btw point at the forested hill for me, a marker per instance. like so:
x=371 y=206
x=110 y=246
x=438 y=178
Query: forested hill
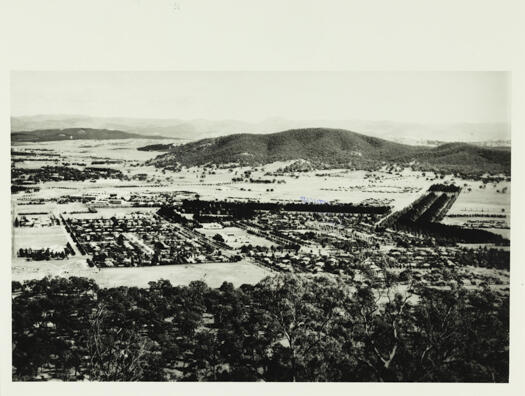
x=463 y=156
x=157 y=147
x=333 y=147
x=49 y=135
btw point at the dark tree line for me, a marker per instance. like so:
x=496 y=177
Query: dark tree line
x=247 y=209
x=483 y=257
x=452 y=188
x=46 y=254
x=450 y=234
x=285 y=328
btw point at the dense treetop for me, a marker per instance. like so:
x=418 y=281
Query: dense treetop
x=286 y=328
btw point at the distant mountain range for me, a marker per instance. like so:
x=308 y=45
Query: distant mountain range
x=401 y=132
x=50 y=135
x=331 y=148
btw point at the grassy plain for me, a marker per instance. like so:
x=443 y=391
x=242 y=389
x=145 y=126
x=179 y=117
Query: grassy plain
x=236 y=237
x=214 y=274
x=39 y=237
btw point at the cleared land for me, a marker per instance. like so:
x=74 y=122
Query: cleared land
x=213 y=274
x=236 y=237
x=39 y=237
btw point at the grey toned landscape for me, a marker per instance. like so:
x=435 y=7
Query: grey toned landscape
x=351 y=227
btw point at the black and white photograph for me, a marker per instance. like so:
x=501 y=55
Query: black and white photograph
x=279 y=228
x=240 y=197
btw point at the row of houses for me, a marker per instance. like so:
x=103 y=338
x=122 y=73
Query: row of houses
x=138 y=240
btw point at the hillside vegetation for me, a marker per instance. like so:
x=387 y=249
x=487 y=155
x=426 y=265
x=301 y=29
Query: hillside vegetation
x=334 y=148
x=465 y=157
x=331 y=146
x=157 y=147
x=287 y=328
x=49 y=135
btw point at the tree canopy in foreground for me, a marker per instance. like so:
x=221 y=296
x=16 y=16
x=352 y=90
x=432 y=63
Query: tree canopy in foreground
x=285 y=328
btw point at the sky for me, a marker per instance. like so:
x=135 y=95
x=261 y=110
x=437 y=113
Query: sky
x=421 y=97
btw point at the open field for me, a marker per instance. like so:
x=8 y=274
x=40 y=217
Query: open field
x=484 y=200
x=39 y=238
x=489 y=200
x=213 y=274
x=112 y=212
x=49 y=207
x=125 y=149
x=22 y=270
x=236 y=237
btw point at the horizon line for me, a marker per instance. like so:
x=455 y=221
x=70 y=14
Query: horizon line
x=173 y=118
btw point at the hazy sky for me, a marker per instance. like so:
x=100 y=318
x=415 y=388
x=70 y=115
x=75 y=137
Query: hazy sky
x=425 y=97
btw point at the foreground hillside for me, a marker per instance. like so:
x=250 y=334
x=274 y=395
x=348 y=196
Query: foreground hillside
x=286 y=328
x=325 y=147
x=49 y=135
